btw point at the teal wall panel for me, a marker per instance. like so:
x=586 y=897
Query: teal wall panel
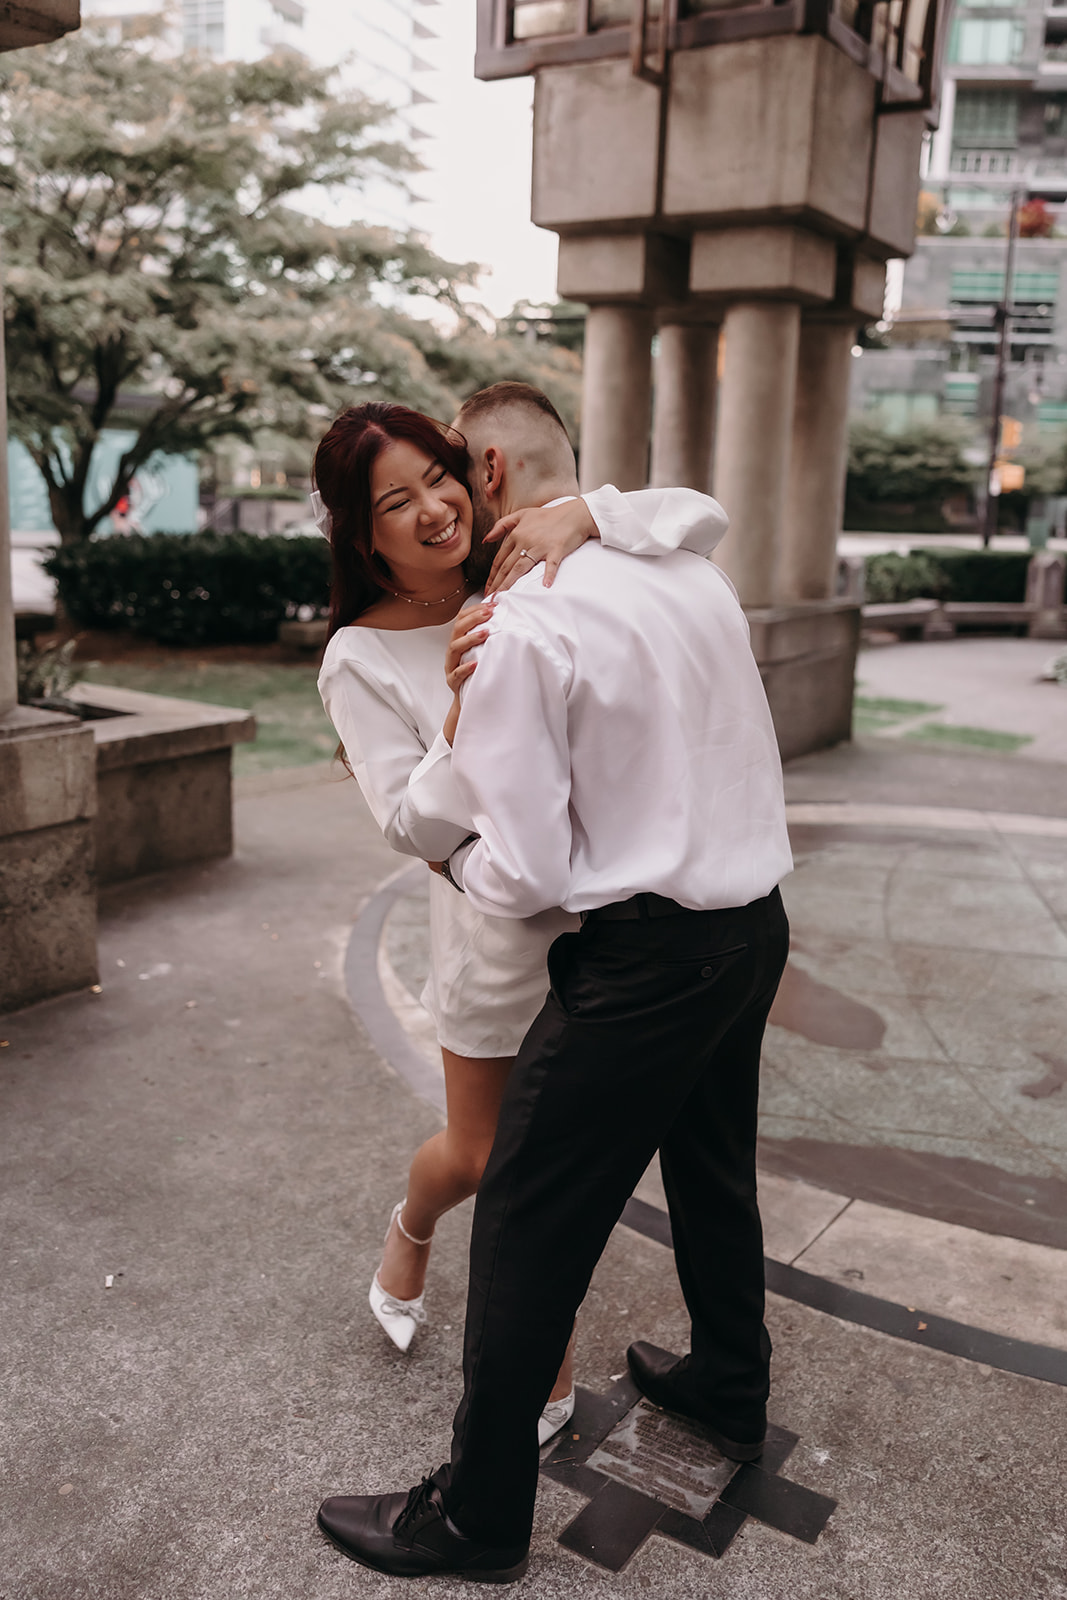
x=165 y=491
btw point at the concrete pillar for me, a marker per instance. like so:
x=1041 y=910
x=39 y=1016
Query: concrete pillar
x=940 y=164
x=616 y=397
x=684 y=427
x=752 y=450
x=8 y=682
x=816 y=497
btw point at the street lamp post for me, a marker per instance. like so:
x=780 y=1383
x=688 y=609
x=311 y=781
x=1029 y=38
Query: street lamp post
x=1002 y=324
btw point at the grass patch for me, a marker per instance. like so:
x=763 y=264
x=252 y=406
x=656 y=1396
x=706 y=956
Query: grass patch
x=896 y=708
x=871 y=721
x=292 y=727
x=875 y=713
x=975 y=738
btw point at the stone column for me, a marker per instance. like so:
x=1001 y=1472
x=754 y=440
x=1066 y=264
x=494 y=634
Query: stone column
x=752 y=449
x=684 y=427
x=8 y=683
x=940 y=164
x=616 y=397
x=816 y=496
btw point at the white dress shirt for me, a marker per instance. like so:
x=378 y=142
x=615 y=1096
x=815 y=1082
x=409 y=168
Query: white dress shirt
x=384 y=690
x=615 y=738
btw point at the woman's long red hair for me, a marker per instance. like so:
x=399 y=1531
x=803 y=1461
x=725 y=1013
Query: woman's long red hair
x=342 y=473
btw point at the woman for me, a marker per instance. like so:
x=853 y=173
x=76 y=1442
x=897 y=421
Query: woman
x=393 y=487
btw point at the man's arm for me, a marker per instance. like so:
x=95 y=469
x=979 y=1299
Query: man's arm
x=511 y=764
x=643 y=522
x=655 y=522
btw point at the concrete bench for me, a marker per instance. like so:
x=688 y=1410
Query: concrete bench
x=911 y=619
x=1042 y=614
x=1019 y=614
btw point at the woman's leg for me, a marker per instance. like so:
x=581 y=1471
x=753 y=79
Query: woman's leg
x=447 y=1168
x=565 y=1381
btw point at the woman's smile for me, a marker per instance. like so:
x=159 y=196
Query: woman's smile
x=445 y=536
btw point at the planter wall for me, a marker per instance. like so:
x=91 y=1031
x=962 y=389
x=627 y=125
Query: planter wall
x=164 y=786
x=47 y=890
x=806 y=654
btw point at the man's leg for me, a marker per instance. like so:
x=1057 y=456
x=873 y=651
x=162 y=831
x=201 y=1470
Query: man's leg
x=708 y=1160
x=632 y=1024
x=709 y=1176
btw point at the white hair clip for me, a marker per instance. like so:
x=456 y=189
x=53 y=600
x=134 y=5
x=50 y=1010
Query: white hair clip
x=319 y=514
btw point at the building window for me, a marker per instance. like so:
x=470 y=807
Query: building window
x=986 y=118
x=899 y=409
x=538 y=19
x=1056 y=116
x=203 y=26
x=986 y=288
x=981 y=42
x=1036 y=288
x=961 y=394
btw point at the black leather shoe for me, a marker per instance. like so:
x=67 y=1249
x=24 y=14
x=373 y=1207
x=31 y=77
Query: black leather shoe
x=410 y=1536
x=661 y=1378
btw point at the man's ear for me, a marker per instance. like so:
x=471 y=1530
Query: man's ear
x=494 y=468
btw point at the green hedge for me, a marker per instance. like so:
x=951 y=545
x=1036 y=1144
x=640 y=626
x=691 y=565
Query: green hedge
x=192 y=588
x=982 y=575
x=890 y=579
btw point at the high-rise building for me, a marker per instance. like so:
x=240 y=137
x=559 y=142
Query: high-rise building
x=382 y=48
x=1002 y=134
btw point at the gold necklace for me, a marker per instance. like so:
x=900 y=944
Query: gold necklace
x=428 y=603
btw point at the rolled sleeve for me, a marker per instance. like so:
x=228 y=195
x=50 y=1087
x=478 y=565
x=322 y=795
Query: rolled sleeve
x=656 y=522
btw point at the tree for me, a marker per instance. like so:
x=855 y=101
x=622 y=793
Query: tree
x=155 y=246
x=926 y=462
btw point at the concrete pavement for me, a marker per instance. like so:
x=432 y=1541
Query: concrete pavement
x=973 y=682
x=216 y=1136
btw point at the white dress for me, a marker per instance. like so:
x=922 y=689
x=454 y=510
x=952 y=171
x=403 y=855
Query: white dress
x=386 y=695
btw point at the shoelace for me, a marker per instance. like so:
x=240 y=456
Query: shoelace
x=416 y=1505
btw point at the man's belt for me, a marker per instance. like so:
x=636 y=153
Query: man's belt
x=637 y=909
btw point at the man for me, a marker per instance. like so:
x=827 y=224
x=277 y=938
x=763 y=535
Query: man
x=616 y=755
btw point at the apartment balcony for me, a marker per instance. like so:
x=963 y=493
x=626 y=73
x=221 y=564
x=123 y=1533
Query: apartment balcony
x=999 y=172
x=989 y=163
x=1052 y=66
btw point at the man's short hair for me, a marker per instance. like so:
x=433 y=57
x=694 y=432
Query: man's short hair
x=508 y=395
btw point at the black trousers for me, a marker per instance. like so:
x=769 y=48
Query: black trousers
x=650 y=1039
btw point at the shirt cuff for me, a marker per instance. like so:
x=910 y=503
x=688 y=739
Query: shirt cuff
x=606 y=506
x=458 y=860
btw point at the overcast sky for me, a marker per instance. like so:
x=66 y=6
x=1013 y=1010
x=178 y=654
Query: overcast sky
x=479 y=188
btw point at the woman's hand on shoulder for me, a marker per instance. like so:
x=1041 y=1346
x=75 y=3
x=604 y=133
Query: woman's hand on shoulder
x=469 y=629
x=538 y=533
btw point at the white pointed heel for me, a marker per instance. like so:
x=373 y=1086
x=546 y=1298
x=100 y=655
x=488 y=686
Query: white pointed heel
x=554 y=1418
x=399 y=1318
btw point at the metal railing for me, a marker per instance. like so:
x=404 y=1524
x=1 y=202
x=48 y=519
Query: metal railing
x=1007 y=167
